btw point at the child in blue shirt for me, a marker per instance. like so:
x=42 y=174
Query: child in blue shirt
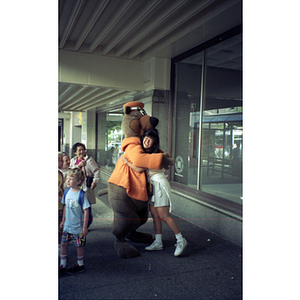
x=74 y=221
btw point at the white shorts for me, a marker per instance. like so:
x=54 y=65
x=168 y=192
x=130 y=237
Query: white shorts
x=161 y=191
x=159 y=201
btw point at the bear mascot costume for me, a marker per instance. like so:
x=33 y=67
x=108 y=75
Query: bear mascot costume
x=127 y=189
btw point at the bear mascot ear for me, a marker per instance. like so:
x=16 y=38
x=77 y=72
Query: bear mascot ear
x=127 y=110
x=147 y=122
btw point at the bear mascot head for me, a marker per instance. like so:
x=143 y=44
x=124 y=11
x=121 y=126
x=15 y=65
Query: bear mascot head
x=127 y=189
x=136 y=121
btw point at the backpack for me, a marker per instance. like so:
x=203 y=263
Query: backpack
x=81 y=195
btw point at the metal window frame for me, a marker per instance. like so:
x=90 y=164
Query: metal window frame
x=220 y=204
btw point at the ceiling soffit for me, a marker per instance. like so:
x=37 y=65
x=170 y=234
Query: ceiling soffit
x=132 y=29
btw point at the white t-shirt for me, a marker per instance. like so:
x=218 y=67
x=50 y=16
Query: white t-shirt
x=74 y=212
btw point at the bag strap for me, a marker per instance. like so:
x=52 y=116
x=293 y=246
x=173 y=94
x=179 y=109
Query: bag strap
x=81 y=199
x=81 y=195
x=85 y=165
x=65 y=193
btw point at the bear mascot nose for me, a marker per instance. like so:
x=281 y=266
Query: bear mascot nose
x=153 y=121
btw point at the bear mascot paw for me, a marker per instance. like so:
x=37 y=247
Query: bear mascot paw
x=140 y=237
x=125 y=250
x=102 y=192
x=167 y=161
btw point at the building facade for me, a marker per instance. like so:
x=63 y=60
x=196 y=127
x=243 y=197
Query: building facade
x=184 y=62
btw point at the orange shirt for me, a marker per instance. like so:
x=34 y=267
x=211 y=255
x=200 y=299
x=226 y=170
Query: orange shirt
x=135 y=183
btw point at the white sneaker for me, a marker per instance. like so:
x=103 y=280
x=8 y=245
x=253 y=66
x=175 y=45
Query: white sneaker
x=155 y=246
x=180 y=246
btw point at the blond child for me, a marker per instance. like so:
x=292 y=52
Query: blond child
x=74 y=221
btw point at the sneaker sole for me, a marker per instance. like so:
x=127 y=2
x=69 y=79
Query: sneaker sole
x=73 y=273
x=156 y=249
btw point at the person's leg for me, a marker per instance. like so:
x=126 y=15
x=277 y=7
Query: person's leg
x=79 y=243
x=156 y=220
x=59 y=230
x=163 y=213
x=64 y=250
x=63 y=255
x=80 y=255
x=157 y=243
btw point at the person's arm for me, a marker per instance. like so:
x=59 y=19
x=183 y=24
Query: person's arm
x=63 y=217
x=94 y=168
x=85 y=221
x=60 y=194
x=138 y=157
x=61 y=182
x=136 y=169
x=82 y=163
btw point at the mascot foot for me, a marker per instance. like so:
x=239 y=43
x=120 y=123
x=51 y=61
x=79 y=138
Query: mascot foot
x=125 y=250
x=102 y=192
x=140 y=237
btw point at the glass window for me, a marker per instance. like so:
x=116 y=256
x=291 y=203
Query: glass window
x=187 y=121
x=109 y=139
x=208 y=95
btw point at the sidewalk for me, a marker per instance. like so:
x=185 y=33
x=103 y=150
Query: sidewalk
x=210 y=268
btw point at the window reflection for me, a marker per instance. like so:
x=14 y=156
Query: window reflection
x=109 y=148
x=212 y=102
x=186 y=122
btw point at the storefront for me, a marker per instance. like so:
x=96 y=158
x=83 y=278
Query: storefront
x=202 y=130
x=207 y=118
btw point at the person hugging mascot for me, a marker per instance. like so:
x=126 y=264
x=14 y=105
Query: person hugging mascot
x=127 y=189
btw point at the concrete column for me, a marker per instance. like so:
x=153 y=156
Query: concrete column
x=160 y=110
x=157 y=74
x=101 y=138
x=91 y=132
x=66 y=132
x=76 y=129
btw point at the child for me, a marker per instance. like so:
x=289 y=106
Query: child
x=160 y=201
x=74 y=222
x=66 y=165
x=60 y=194
x=90 y=168
x=66 y=162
